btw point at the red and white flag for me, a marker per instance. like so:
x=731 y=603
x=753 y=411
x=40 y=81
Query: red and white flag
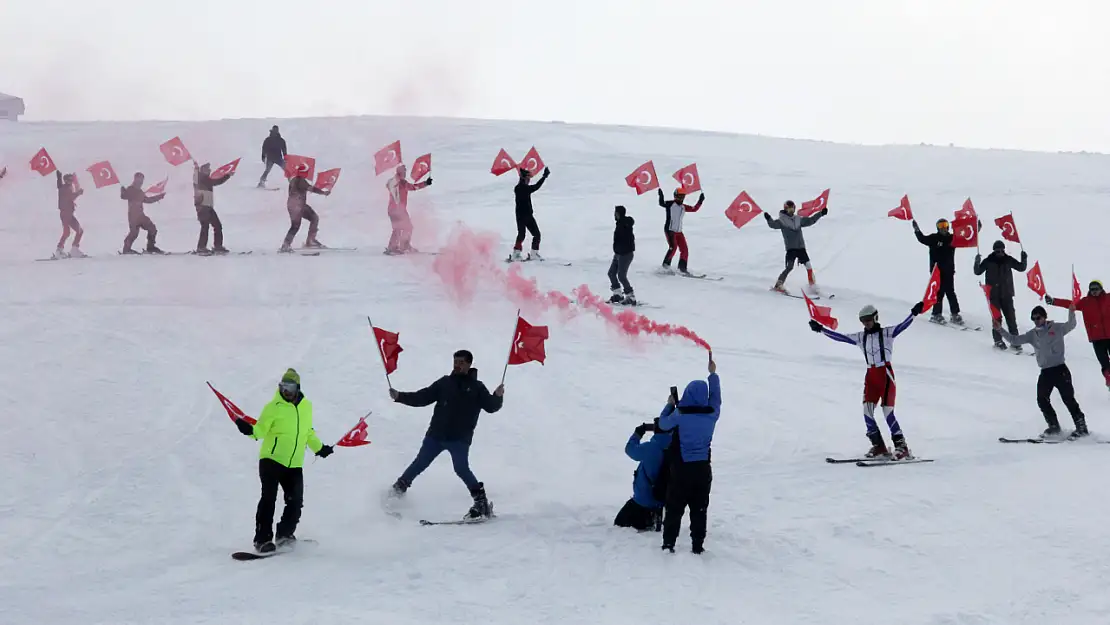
x=903 y=211
x=387 y=158
x=821 y=314
x=1036 y=280
x=1008 y=227
x=502 y=163
x=103 y=174
x=532 y=162
x=325 y=180
x=42 y=163
x=995 y=313
x=1076 y=291
x=421 y=167
x=742 y=210
x=156 y=189
x=356 y=436
x=965 y=231
x=688 y=179
x=528 y=343
x=389 y=347
x=226 y=170
x=233 y=411
x=643 y=179
x=967 y=211
x=815 y=205
x=932 y=290
x=299 y=166
x=175 y=152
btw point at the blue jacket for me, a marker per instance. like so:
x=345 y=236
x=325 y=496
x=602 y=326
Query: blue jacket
x=695 y=418
x=650 y=455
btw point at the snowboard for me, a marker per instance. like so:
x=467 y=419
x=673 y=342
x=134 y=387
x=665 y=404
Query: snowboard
x=246 y=556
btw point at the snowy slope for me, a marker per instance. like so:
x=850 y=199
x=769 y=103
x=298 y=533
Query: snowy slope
x=126 y=487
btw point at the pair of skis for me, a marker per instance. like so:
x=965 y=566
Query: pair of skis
x=876 y=462
x=546 y=261
x=1049 y=441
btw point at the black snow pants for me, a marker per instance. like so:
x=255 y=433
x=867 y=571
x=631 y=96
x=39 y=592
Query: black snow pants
x=947 y=289
x=689 y=487
x=272 y=475
x=1058 y=378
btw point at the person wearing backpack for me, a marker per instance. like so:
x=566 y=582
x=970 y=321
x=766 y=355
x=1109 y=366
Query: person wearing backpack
x=644 y=511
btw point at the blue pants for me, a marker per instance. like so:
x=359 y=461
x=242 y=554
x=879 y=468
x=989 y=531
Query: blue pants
x=431 y=448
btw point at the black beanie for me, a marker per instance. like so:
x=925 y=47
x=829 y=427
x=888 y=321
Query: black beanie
x=1039 y=310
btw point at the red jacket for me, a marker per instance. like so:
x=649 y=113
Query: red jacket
x=1096 y=314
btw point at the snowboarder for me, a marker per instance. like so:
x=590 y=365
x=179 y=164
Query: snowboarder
x=791 y=226
x=525 y=218
x=297 y=205
x=459 y=398
x=692 y=420
x=1047 y=339
x=205 y=200
x=136 y=216
x=67 y=207
x=877 y=344
x=400 y=241
x=273 y=153
x=1096 y=317
x=624 y=248
x=1000 y=267
x=672 y=228
x=644 y=511
x=942 y=254
x=281 y=459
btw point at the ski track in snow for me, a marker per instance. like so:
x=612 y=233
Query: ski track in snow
x=126 y=487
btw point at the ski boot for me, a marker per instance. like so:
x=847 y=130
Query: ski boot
x=516 y=257
x=956 y=319
x=392 y=251
x=153 y=249
x=128 y=250
x=534 y=255
x=629 y=299
x=667 y=547
x=616 y=297
x=779 y=288
x=666 y=269
x=901 y=450
x=482 y=508
x=75 y=252
x=938 y=319
x=698 y=549
x=398 y=489
x=286 y=248
x=1106 y=374
x=682 y=267
x=878 y=447
x=59 y=254
x=203 y=251
x=219 y=249
x=1016 y=349
x=1080 y=428
x=265 y=547
x=285 y=541
x=313 y=244
x=1052 y=431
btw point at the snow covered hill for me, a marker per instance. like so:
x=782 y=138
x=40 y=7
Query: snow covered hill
x=125 y=487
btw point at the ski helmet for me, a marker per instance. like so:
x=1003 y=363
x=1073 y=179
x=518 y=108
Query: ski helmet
x=868 y=312
x=1095 y=283
x=679 y=192
x=942 y=224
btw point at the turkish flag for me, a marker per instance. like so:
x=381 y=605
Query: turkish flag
x=815 y=205
x=299 y=166
x=226 y=170
x=356 y=436
x=821 y=314
x=42 y=163
x=1036 y=280
x=1008 y=227
x=528 y=343
x=968 y=210
x=532 y=162
x=965 y=231
x=932 y=290
x=156 y=189
x=175 y=152
x=643 y=179
x=389 y=347
x=103 y=174
x=742 y=210
x=1076 y=291
x=421 y=167
x=325 y=180
x=502 y=163
x=688 y=179
x=903 y=211
x=387 y=158
x=995 y=313
x=233 y=411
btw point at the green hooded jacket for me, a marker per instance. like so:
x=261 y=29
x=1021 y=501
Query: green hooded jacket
x=285 y=428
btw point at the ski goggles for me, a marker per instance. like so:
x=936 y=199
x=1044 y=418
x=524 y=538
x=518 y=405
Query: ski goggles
x=287 y=387
x=942 y=224
x=1095 y=287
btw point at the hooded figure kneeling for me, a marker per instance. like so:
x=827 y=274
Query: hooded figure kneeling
x=644 y=511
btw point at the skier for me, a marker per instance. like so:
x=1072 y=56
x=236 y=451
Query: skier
x=136 y=216
x=1047 y=339
x=672 y=228
x=399 y=187
x=285 y=428
x=791 y=226
x=1096 y=317
x=692 y=421
x=525 y=219
x=297 y=205
x=624 y=247
x=644 y=511
x=67 y=207
x=205 y=200
x=942 y=254
x=877 y=344
x=1000 y=267
x=273 y=153
x=459 y=398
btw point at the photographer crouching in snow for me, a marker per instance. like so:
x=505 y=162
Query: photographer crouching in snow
x=644 y=511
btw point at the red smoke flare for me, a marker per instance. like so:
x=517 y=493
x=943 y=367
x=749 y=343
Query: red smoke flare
x=631 y=323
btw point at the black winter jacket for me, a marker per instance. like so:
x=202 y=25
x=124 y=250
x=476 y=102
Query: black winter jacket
x=459 y=399
x=624 y=240
x=1000 y=270
x=523 y=192
x=941 y=251
x=273 y=148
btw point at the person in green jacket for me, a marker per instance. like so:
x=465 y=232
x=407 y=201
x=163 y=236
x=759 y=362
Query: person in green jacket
x=285 y=428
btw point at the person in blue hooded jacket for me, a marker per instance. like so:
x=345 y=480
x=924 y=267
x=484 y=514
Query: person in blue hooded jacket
x=692 y=421
x=644 y=511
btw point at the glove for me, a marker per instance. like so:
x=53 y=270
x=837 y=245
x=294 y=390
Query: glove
x=642 y=429
x=1048 y=299
x=546 y=171
x=978 y=258
x=245 y=428
x=825 y=211
x=767 y=216
x=918 y=308
x=701 y=198
x=325 y=451
x=813 y=325
x=428 y=182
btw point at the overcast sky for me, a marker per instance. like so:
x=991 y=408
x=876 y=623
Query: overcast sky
x=982 y=73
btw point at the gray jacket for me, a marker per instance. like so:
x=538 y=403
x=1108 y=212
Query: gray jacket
x=1047 y=340
x=791 y=226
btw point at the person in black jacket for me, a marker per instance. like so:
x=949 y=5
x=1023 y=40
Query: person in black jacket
x=943 y=255
x=624 y=247
x=273 y=153
x=459 y=399
x=1000 y=267
x=525 y=218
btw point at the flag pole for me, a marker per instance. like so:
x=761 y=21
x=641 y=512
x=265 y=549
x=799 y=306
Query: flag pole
x=512 y=344
x=380 y=354
x=1020 y=244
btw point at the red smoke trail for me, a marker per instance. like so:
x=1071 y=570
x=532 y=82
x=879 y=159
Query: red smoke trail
x=631 y=323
